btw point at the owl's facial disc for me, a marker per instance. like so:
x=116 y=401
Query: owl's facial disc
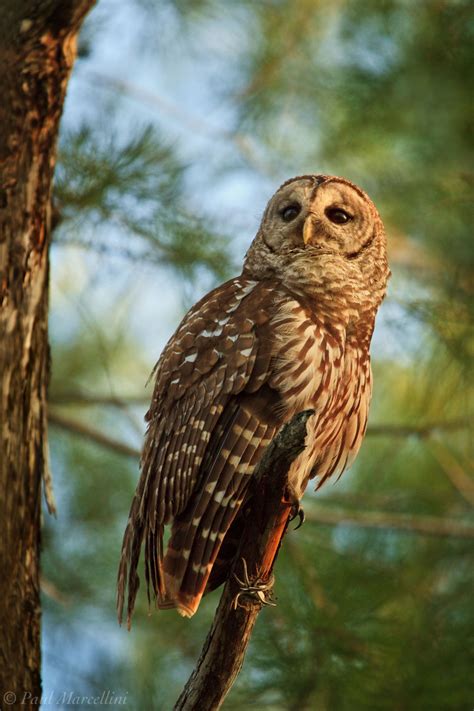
x=285 y=214
x=339 y=219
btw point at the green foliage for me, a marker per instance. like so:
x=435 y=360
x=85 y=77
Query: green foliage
x=108 y=192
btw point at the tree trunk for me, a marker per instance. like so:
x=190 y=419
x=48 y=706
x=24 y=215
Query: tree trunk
x=37 y=51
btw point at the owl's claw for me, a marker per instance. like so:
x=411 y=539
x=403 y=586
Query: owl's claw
x=298 y=512
x=257 y=590
x=291 y=497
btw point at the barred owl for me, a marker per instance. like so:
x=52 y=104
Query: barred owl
x=291 y=333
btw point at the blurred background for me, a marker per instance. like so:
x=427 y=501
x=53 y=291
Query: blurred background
x=182 y=118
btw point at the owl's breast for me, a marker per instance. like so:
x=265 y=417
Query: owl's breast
x=336 y=435
x=316 y=369
x=309 y=361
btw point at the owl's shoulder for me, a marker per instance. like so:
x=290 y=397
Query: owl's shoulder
x=218 y=339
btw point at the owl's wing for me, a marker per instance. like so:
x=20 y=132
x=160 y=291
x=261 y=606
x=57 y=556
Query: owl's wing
x=196 y=426
x=236 y=444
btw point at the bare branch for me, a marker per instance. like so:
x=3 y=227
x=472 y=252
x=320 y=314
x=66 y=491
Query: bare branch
x=267 y=516
x=72 y=425
x=376 y=430
x=49 y=589
x=429 y=525
x=454 y=471
x=423 y=430
x=80 y=398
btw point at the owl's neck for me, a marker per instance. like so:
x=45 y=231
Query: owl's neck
x=339 y=312
x=336 y=293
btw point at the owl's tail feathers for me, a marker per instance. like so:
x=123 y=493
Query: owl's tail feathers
x=185 y=601
x=227 y=554
x=154 y=562
x=199 y=534
x=130 y=555
x=189 y=562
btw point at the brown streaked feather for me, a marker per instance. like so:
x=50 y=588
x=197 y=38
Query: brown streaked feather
x=236 y=488
x=225 y=349
x=226 y=553
x=201 y=543
x=230 y=479
x=127 y=573
x=185 y=531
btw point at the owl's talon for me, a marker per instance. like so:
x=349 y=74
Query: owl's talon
x=291 y=497
x=298 y=512
x=301 y=515
x=256 y=590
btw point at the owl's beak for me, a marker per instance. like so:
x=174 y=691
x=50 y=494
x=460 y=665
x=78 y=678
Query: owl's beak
x=308 y=229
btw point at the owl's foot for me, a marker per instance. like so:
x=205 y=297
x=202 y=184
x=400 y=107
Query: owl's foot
x=297 y=512
x=291 y=497
x=256 y=589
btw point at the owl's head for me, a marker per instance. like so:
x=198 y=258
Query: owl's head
x=324 y=230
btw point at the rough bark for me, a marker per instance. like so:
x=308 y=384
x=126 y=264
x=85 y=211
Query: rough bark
x=37 y=51
x=268 y=513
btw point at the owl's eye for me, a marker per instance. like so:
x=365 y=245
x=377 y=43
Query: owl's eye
x=290 y=212
x=338 y=216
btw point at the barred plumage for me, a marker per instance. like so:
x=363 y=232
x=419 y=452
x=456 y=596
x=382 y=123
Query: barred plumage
x=292 y=332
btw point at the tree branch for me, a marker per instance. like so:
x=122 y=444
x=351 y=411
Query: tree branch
x=429 y=525
x=267 y=517
x=422 y=431
x=377 y=430
x=454 y=471
x=72 y=425
x=79 y=398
